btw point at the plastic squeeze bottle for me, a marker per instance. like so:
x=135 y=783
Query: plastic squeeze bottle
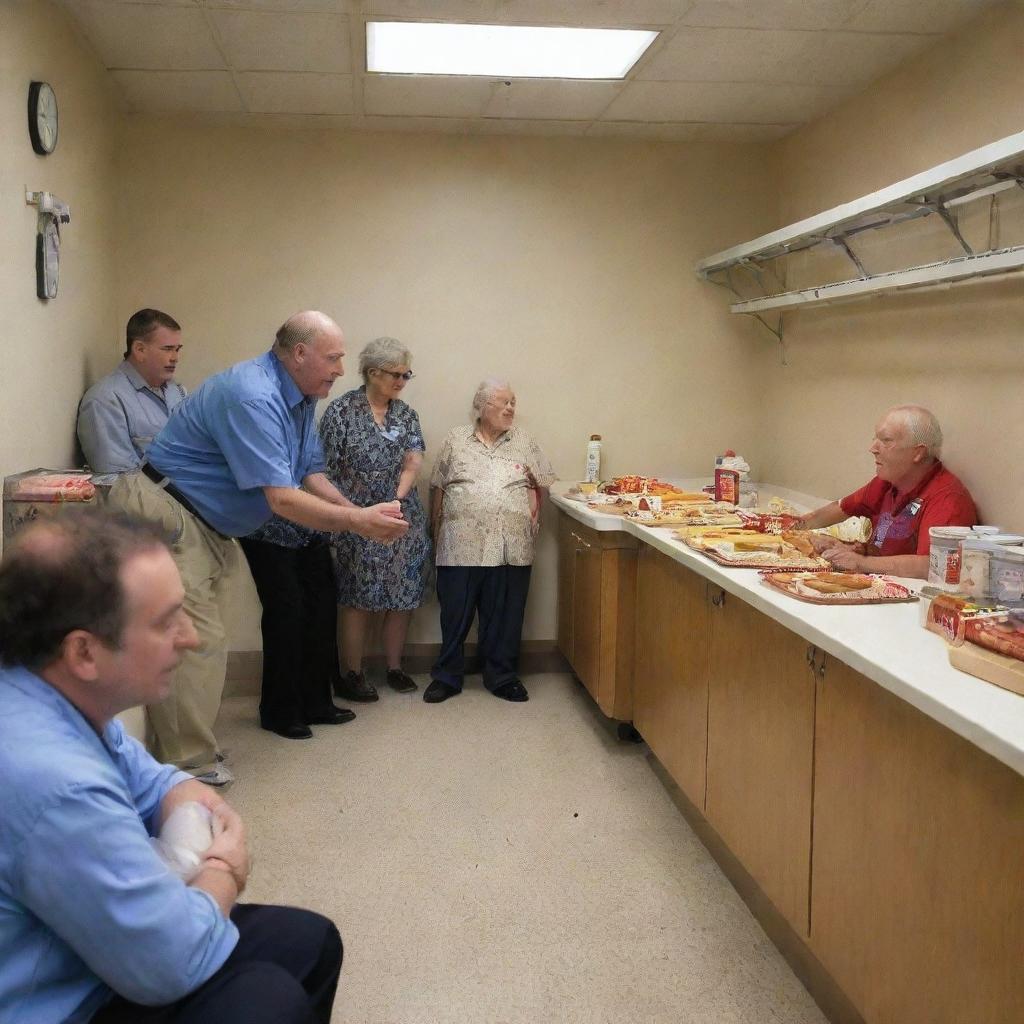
x=593 y=473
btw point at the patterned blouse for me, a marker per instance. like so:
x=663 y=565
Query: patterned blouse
x=485 y=512
x=364 y=461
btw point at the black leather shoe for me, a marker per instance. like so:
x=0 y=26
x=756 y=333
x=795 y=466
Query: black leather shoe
x=437 y=692
x=289 y=730
x=353 y=686
x=331 y=716
x=400 y=682
x=512 y=690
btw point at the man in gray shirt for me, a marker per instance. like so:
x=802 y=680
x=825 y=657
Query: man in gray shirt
x=121 y=413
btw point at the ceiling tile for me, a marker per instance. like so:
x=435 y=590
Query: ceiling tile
x=154 y=91
x=726 y=55
x=855 y=58
x=916 y=15
x=742 y=103
x=778 y=14
x=480 y=11
x=426 y=95
x=147 y=36
x=325 y=6
x=260 y=41
x=547 y=98
x=276 y=92
x=592 y=13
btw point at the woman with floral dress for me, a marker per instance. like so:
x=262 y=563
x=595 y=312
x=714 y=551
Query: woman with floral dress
x=374 y=448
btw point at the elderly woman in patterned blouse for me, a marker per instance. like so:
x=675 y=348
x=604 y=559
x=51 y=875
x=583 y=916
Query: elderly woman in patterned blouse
x=486 y=492
x=373 y=445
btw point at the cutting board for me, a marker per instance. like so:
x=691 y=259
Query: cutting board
x=990 y=666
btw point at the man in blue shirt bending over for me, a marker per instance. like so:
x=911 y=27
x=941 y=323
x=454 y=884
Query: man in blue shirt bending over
x=93 y=926
x=240 y=449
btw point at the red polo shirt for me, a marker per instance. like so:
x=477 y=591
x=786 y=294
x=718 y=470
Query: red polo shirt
x=900 y=522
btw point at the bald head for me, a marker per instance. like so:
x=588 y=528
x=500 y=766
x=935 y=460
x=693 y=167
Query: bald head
x=302 y=329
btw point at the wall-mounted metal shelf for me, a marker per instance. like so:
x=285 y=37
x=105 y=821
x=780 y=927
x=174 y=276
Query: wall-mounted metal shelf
x=943 y=191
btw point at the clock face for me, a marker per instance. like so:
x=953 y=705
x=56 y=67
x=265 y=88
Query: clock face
x=42 y=117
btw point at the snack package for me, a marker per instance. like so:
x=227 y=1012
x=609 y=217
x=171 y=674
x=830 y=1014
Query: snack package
x=186 y=835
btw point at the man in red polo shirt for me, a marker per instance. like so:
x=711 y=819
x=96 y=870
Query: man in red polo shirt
x=911 y=492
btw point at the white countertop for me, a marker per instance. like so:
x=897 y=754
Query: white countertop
x=886 y=643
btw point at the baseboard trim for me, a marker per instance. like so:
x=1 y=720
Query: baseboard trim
x=245 y=668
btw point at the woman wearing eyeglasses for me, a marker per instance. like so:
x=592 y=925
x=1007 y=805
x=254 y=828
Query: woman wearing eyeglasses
x=373 y=446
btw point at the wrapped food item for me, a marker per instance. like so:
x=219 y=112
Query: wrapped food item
x=1002 y=632
x=53 y=487
x=855 y=530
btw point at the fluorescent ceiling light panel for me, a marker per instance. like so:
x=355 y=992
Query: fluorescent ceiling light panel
x=502 y=51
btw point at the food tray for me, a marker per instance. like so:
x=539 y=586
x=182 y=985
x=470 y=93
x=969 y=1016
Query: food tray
x=893 y=593
x=775 y=565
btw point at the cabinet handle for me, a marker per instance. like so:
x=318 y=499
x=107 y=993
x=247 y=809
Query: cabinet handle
x=811 y=654
x=579 y=540
x=718 y=600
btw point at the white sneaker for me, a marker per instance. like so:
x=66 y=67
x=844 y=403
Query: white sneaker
x=218 y=776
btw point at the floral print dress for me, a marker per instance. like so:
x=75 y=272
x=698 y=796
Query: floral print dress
x=364 y=461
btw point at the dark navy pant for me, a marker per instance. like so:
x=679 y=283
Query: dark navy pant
x=497 y=595
x=284 y=970
x=299 y=625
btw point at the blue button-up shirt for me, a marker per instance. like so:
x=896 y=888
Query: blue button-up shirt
x=86 y=905
x=247 y=428
x=118 y=418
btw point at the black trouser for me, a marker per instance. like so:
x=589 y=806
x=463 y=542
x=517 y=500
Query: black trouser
x=284 y=970
x=300 y=650
x=498 y=594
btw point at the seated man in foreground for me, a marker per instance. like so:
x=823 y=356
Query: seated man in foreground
x=911 y=492
x=93 y=925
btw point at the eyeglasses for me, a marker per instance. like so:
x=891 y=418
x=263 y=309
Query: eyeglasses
x=408 y=375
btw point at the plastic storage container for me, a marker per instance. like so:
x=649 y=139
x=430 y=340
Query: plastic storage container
x=975 y=556
x=944 y=555
x=1006 y=576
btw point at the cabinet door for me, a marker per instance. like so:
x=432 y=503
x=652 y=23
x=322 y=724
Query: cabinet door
x=586 y=614
x=566 y=575
x=670 y=680
x=761 y=752
x=917 y=889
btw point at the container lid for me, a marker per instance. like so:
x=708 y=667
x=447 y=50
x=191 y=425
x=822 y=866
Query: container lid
x=1007 y=539
x=982 y=530
x=982 y=543
x=597 y=437
x=1010 y=554
x=950 y=531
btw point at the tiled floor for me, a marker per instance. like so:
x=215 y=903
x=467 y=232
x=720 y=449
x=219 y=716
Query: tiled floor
x=494 y=862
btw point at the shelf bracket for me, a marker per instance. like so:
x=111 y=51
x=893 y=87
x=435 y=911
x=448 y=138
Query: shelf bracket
x=730 y=287
x=845 y=246
x=950 y=220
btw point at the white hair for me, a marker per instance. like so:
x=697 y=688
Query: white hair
x=485 y=391
x=382 y=352
x=920 y=426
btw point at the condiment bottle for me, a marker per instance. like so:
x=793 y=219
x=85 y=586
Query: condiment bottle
x=593 y=472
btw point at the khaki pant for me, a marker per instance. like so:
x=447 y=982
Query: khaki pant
x=183 y=724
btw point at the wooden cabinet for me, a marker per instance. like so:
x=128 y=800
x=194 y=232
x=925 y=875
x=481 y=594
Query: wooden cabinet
x=761 y=750
x=670 y=680
x=917 y=889
x=596 y=592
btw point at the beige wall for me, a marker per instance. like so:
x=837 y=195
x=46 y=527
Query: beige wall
x=563 y=264
x=957 y=351
x=50 y=350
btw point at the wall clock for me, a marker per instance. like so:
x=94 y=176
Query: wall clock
x=42 y=117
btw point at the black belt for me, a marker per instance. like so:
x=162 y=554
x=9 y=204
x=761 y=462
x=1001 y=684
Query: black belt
x=160 y=480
